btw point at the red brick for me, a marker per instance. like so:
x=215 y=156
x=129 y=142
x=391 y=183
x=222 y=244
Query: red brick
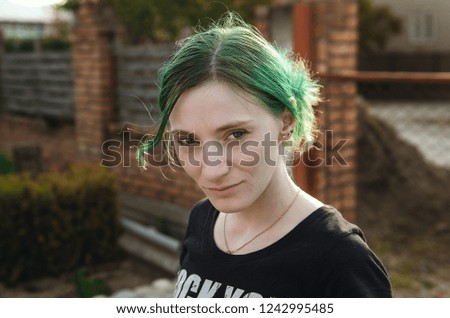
x=349 y=36
x=351 y=9
x=321 y=50
x=343 y=63
x=343 y=49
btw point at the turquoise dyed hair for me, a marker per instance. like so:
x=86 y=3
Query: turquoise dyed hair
x=235 y=52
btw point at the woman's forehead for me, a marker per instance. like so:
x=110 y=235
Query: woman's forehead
x=214 y=105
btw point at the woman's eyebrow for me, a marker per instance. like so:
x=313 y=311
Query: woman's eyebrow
x=233 y=124
x=180 y=132
x=227 y=126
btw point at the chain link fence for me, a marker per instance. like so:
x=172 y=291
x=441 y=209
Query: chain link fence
x=422 y=121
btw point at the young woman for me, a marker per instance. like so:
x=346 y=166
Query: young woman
x=232 y=104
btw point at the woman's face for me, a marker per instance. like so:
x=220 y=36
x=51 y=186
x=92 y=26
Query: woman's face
x=227 y=142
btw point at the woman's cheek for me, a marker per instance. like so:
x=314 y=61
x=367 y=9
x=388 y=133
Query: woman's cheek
x=189 y=158
x=249 y=154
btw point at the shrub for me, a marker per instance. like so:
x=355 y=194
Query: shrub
x=88 y=286
x=28 y=45
x=19 y=45
x=56 y=222
x=50 y=44
x=6 y=166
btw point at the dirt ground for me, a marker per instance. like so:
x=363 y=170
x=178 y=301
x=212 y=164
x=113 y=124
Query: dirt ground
x=403 y=208
x=125 y=273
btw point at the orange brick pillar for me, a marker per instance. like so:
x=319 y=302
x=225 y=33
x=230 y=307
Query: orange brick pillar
x=334 y=50
x=325 y=33
x=94 y=78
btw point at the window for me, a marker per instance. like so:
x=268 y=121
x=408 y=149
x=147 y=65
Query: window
x=421 y=28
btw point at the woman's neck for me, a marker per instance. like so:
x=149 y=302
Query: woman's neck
x=272 y=202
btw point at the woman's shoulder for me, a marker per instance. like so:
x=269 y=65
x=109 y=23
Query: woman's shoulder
x=202 y=213
x=328 y=222
x=202 y=206
x=349 y=266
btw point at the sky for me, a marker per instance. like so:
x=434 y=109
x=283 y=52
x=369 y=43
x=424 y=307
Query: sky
x=27 y=10
x=34 y=3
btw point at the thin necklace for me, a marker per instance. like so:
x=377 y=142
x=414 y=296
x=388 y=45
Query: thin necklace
x=229 y=251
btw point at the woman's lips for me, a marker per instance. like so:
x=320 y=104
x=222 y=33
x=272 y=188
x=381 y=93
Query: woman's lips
x=225 y=190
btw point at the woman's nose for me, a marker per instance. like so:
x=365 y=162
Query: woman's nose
x=214 y=161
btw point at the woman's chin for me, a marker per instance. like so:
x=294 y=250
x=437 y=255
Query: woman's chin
x=227 y=205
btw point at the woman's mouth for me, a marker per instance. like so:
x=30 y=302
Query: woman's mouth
x=224 y=190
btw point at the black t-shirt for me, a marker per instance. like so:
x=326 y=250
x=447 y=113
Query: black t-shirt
x=323 y=256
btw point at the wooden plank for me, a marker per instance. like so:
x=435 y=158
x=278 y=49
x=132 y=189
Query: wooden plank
x=57 y=112
x=43 y=90
x=38 y=55
x=132 y=94
x=38 y=83
x=55 y=106
x=63 y=77
x=142 y=116
x=137 y=119
x=19 y=95
x=156 y=50
x=57 y=101
x=139 y=108
x=51 y=90
x=37 y=67
x=139 y=66
x=151 y=73
x=417 y=77
x=151 y=253
x=147 y=211
x=137 y=81
x=20 y=108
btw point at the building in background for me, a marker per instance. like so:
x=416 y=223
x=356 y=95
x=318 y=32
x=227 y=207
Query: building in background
x=423 y=45
x=23 y=22
x=426 y=25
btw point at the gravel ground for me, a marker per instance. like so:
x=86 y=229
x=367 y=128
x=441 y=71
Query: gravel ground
x=124 y=274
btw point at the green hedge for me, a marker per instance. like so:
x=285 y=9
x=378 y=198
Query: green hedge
x=6 y=165
x=56 y=222
x=27 y=45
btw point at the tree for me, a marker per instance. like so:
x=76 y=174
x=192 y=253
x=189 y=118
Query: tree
x=159 y=21
x=376 y=25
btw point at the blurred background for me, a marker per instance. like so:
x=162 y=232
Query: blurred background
x=78 y=90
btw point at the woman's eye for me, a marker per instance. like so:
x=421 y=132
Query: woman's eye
x=187 y=141
x=239 y=134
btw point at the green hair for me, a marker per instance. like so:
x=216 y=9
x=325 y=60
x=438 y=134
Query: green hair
x=235 y=52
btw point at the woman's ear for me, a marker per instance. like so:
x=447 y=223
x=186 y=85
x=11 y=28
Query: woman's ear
x=288 y=124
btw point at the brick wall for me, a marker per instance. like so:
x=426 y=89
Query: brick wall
x=57 y=142
x=162 y=184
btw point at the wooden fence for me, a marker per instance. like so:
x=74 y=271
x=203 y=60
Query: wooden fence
x=42 y=83
x=137 y=78
x=38 y=83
